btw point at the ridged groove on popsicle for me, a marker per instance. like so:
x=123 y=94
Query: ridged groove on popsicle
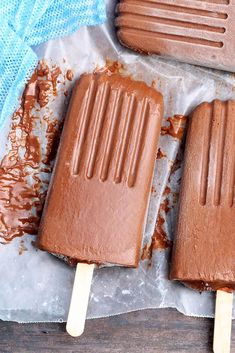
x=144 y=21
x=125 y=134
x=220 y=2
x=99 y=118
x=110 y=135
x=142 y=125
x=229 y=153
x=173 y=37
x=113 y=153
x=218 y=162
x=84 y=123
x=221 y=110
x=190 y=3
x=207 y=121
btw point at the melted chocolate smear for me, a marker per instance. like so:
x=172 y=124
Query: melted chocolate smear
x=111 y=67
x=160 y=154
x=53 y=133
x=69 y=75
x=55 y=73
x=146 y=252
x=165 y=206
x=167 y=190
x=159 y=238
x=176 y=126
x=160 y=241
x=22 y=186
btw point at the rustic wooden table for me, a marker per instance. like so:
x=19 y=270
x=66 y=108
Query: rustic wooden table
x=148 y=331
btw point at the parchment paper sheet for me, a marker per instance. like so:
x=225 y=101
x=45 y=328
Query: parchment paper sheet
x=37 y=286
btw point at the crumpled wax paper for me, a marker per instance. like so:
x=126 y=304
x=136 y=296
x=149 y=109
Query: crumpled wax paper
x=36 y=286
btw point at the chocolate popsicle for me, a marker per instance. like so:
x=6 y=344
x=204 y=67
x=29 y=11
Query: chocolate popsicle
x=204 y=249
x=192 y=31
x=98 y=198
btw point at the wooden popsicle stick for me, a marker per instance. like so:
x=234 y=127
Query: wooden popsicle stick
x=223 y=321
x=79 y=300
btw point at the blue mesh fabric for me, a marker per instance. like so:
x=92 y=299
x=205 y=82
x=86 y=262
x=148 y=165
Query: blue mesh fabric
x=25 y=23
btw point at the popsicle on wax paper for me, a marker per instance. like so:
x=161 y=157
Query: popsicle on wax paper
x=98 y=198
x=204 y=248
x=199 y=32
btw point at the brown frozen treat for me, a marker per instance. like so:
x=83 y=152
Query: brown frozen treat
x=98 y=198
x=204 y=249
x=192 y=31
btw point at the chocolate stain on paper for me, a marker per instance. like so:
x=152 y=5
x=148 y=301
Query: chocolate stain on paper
x=112 y=67
x=160 y=154
x=176 y=126
x=160 y=240
x=25 y=168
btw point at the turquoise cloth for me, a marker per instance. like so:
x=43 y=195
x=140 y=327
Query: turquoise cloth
x=26 y=23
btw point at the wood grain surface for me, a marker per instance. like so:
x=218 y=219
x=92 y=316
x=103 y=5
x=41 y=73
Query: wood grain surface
x=148 y=331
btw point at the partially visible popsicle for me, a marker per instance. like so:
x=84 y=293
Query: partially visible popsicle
x=199 y=32
x=97 y=202
x=204 y=248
